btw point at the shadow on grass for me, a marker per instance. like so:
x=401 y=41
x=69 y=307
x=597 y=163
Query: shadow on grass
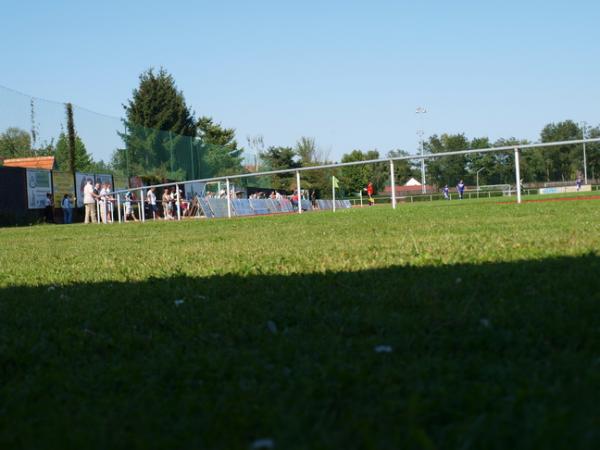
x=465 y=356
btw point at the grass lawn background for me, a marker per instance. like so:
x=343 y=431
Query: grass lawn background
x=215 y=334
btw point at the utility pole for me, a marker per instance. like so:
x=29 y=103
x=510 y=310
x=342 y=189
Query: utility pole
x=71 y=139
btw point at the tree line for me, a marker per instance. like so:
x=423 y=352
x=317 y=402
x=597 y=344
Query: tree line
x=18 y=143
x=164 y=140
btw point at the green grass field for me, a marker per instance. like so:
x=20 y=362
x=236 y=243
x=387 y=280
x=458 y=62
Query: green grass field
x=438 y=325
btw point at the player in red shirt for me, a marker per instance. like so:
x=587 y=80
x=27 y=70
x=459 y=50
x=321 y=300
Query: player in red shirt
x=370 y=191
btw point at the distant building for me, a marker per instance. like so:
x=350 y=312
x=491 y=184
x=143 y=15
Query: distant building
x=411 y=187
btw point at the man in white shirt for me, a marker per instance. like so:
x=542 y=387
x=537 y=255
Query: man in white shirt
x=151 y=198
x=89 y=202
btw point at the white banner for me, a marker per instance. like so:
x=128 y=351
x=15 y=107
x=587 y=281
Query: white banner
x=565 y=189
x=39 y=184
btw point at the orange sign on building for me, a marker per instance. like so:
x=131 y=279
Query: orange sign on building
x=38 y=162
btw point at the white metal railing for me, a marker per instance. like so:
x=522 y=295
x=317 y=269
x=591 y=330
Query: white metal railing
x=514 y=148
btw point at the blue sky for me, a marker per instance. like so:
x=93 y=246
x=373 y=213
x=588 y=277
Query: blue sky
x=350 y=73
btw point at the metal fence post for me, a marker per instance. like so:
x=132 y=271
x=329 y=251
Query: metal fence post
x=178 y=202
x=518 y=173
x=228 y=198
x=142 y=208
x=333 y=194
x=298 y=190
x=393 y=183
x=119 y=206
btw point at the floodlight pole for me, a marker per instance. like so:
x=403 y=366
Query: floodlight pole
x=298 y=191
x=393 y=183
x=518 y=173
x=228 y=198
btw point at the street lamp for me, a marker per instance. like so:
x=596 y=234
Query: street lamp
x=583 y=126
x=477 y=175
x=421 y=110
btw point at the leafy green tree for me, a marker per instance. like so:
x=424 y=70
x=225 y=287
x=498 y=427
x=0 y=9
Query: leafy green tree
x=593 y=153
x=447 y=169
x=355 y=178
x=72 y=138
x=564 y=162
x=100 y=167
x=280 y=158
x=503 y=171
x=309 y=154
x=214 y=133
x=306 y=149
x=83 y=160
x=159 y=126
x=485 y=163
x=497 y=168
x=220 y=154
x=404 y=169
x=15 y=143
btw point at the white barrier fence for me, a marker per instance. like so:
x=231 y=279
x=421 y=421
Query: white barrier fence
x=516 y=150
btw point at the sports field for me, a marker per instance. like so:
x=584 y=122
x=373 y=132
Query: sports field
x=438 y=325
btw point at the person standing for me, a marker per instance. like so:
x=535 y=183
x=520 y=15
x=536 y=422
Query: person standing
x=296 y=199
x=103 y=203
x=109 y=202
x=67 y=208
x=370 y=191
x=49 y=208
x=460 y=188
x=578 y=182
x=166 y=204
x=129 y=213
x=446 y=192
x=89 y=202
x=96 y=194
x=151 y=199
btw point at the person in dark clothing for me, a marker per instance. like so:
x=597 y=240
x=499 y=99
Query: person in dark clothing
x=49 y=209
